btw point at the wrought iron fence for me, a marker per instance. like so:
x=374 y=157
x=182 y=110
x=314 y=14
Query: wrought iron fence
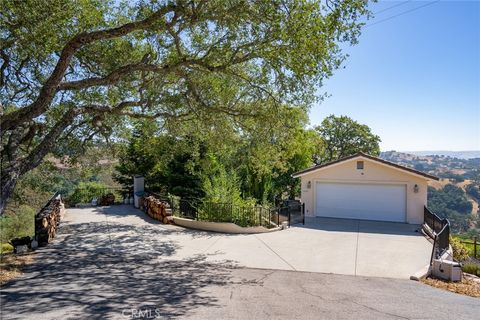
x=240 y=215
x=440 y=232
x=198 y=209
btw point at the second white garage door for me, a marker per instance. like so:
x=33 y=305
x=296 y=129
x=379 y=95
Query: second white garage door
x=383 y=202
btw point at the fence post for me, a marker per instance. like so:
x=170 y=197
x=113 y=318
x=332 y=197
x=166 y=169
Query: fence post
x=475 y=247
x=261 y=216
x=288 y=211
x=303 y=212
x=269 y=217
x=433 y=249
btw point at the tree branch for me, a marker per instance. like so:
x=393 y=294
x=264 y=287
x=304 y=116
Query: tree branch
x=49 y=89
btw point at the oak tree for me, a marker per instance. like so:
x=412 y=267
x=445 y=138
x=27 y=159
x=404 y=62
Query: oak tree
x=342 y=137
x=73 y=71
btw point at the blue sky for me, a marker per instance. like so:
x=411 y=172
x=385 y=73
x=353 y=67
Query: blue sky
x=414 y=79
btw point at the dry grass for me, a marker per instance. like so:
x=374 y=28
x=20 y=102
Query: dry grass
x=439 y=184
x=11 y=265
x=464 y=183
x=466 y=287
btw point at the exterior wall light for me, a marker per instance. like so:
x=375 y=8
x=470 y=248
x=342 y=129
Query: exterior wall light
x=415 y=188
x=309 y=184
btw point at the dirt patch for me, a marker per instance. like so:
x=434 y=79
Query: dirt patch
x=469 y=286
x=11 y=265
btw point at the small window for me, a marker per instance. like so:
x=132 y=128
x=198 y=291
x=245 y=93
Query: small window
x=360 y=165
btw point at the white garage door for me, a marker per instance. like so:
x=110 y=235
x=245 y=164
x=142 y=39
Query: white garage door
x=383 y=202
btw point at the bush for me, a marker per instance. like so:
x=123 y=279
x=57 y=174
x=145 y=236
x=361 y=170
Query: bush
x=471 y=268
x=5 y=248
x=223 y=200
x=244 y=216
x=460 y=251
x=19 y=222
x=84 y=192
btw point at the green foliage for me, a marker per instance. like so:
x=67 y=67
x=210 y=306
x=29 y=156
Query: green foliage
x=17 y=222
x=454 y=198
x=220 y=186
x=223 y=200
x=85 y=192
x=342 y=137
x=36 y=187
x=471 y=268
x=252 y=159
x=468 y=239
x=460 y=251
x=242 y=215
x=451 y=202
x=452 y=176
x=469 y=234
x=5 y=248
x=168 y=163
x=473 y=191
x=176 y=62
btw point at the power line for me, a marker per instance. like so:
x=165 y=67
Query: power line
x=402 y=13
x=391 y=7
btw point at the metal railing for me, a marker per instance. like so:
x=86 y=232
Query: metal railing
x=439 y=232
x=198 y=209
x=475 y=245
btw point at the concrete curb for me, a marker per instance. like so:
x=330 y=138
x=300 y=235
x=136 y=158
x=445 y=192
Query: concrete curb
x=421 y=273
x=222 y=227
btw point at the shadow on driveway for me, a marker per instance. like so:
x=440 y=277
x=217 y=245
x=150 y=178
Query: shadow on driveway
x=85 y=274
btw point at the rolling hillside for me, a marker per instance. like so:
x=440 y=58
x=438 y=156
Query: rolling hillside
x=456 y=195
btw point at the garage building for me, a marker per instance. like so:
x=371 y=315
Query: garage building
x=365 y=187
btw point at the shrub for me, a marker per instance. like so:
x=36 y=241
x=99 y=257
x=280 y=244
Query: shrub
x=223 y=200
x=84 y=192
x=19 y=222
x=460 y=251
x=5 y=248
x=471 y=268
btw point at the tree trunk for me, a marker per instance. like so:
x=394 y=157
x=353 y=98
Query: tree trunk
x=8 y=181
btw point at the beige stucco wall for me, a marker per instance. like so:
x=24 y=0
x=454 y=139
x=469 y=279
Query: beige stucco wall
x=373 y=172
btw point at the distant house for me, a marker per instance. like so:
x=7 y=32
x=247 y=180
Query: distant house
x=364 y=187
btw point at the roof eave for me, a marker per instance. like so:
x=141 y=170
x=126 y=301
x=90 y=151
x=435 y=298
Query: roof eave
x=407 y=170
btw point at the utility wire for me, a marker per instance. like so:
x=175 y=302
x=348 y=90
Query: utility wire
x=391 y=7
x=402 y=13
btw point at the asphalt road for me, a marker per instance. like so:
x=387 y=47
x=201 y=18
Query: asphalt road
x=104 y=268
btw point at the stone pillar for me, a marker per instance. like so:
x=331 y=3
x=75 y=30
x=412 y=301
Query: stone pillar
x=138 y=189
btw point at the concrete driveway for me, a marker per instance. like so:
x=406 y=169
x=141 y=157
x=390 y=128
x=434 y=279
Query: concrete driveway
x=117 y=263
x=353 y=247
x=349 y=247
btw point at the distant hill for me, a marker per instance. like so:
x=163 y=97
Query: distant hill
x=449 y=167
x=456 y=195
x=453 y=154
